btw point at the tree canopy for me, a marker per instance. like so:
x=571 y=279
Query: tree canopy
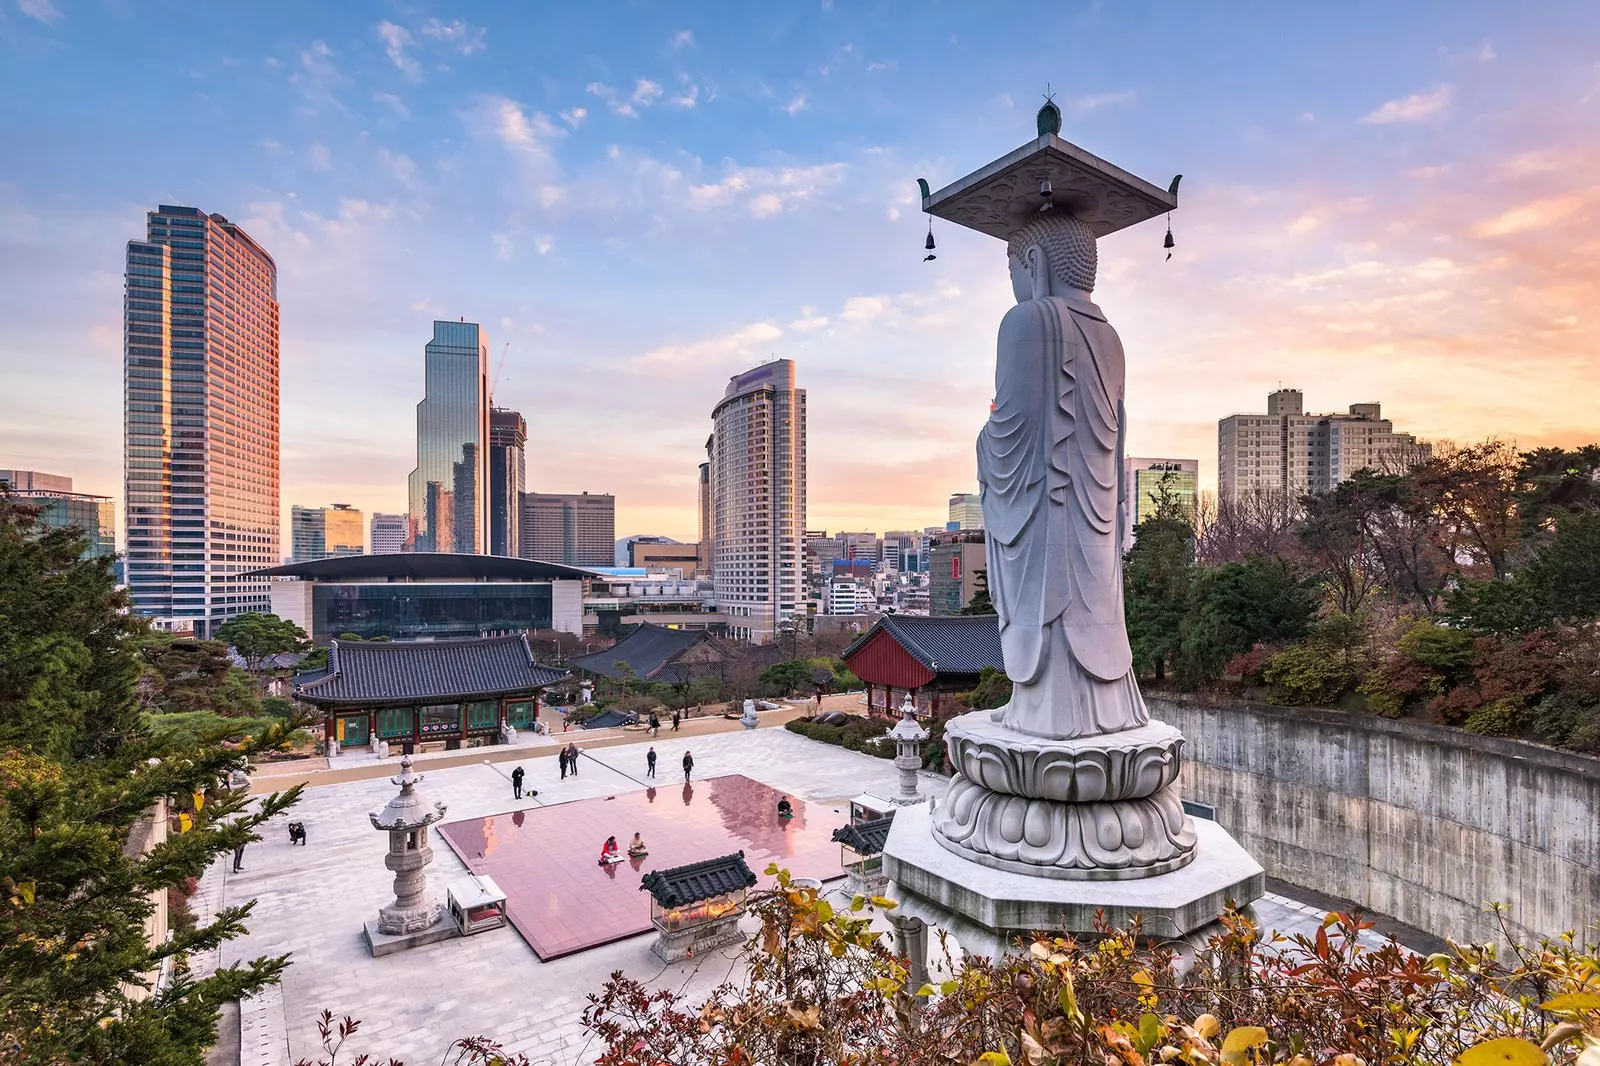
x=82 y=784
x=258 y=637
x=1322 y=598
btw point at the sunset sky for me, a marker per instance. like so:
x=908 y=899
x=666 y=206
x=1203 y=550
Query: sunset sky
x=1394 y=202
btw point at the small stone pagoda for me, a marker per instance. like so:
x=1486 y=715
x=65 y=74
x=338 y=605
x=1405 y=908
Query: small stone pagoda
x=908 y=736
x=412 y=918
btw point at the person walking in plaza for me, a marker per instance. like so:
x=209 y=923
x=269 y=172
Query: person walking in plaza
x=688 y=766
x=650 y=763
x=655 y=724
x=238 y=858
x=516 y=783
x=677 y=717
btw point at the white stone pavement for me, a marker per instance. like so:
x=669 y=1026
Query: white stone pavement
x=312 y=900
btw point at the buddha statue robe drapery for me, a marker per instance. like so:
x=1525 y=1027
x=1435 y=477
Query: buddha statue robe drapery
x=1050 y=472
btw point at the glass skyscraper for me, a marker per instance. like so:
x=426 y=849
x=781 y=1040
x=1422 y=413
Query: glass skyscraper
x=200 y=413
x=448 y=497
x=59 y=507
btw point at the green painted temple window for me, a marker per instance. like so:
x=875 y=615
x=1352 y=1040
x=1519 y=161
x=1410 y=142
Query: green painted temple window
x=522 y=713
x=437 y=718
x=395 y=722
x=482 y=715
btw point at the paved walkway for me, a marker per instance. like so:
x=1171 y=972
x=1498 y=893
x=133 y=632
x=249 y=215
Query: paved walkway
x=361 y=765
x=312 y=900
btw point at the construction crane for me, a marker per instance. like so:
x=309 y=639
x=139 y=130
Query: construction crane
x=499 y=366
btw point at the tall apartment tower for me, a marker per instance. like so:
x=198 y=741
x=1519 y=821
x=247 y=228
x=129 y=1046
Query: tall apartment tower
x=1144 y=480
x=758 y=501
x=322 y=532
x=1289 y=453
x=388 y=533
x=200 y=419
x=448 y=501
x=508 y=437
x=576 y=528
x=703 y=566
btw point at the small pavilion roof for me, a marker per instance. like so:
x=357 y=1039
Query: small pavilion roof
x=865 y=838
x=436 y=671
x=648 y=653
x=945 y=644
x=683 y=885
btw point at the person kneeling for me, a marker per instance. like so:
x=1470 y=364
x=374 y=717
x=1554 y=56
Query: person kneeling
x=636 y=848
x=608 y=853
x=784 y=808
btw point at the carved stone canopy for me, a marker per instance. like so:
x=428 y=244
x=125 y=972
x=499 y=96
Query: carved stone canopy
x=997 y=199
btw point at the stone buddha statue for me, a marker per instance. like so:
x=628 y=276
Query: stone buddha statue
x=1070 y=779
x=1050 y=471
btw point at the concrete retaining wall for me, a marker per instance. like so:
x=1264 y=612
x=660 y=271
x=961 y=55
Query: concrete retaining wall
x=1419 y=822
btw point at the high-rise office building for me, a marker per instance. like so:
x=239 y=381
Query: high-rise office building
x=758 y=501
x=449 y=504
x=59 y=507
x=901 y=550
x=1289 y=453
x=966 y=511
x=200 y=413
x=576 y=528
x=1147 y=478
x=859 y=547
x=388 y=534
x=322 y=532
x=508 y=437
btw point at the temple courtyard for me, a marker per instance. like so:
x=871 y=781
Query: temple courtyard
x=574 y=923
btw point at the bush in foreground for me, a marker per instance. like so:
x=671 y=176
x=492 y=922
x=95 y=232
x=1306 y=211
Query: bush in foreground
x=823 y=987
x=819 y=986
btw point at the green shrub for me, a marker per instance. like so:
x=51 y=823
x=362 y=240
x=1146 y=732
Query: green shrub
x=1498 y=718
x=858 y=734
x=1305 y=675
x=992 y=691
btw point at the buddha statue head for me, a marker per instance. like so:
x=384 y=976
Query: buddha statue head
x=1051 y=254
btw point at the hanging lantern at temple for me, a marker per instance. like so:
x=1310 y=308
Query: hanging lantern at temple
x=922 y=186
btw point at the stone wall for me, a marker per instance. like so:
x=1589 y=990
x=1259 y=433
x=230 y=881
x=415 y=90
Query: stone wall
x=1419 y=822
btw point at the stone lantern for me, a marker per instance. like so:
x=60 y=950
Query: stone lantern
x=412 y=918
x=908 y=737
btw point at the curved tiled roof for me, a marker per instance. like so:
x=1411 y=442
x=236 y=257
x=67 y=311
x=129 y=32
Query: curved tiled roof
x=683 y=885
x=645 y=651
x=373 y=672
x=865 y=838
x=958 y=644
x=424 y=566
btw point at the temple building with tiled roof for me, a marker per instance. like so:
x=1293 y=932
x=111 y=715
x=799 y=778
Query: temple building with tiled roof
x=655 y=653
x=453 y=693
x=932 y=658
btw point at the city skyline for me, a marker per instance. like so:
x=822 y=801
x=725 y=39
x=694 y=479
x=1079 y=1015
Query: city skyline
x=1412 y=223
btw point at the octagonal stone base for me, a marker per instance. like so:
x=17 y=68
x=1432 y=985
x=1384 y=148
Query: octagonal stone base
x=1004 y=903
x=380 y=943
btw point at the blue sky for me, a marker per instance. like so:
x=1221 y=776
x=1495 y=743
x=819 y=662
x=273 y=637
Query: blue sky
x=1381 y=201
